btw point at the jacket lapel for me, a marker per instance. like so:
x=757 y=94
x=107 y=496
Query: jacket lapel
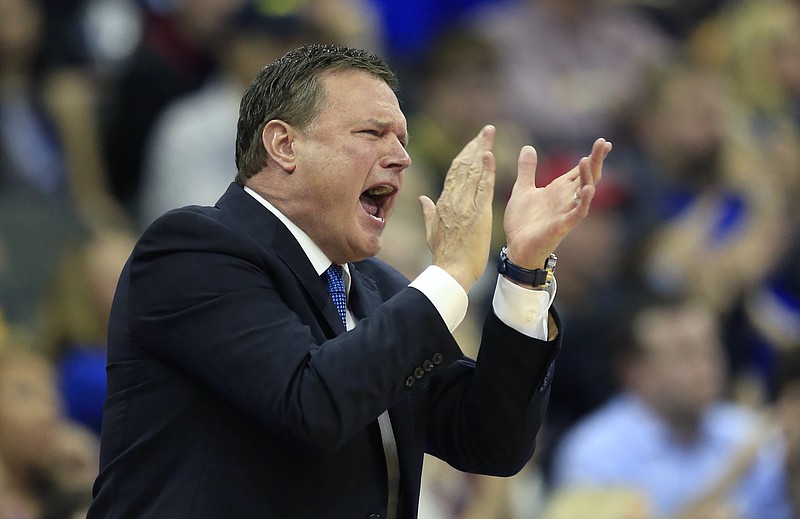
x=364 y=295
x=265 y=228
x=292 y=255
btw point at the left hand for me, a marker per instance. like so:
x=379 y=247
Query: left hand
x=538 y=218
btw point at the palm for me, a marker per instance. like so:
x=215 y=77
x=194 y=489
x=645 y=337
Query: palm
x=537 y=219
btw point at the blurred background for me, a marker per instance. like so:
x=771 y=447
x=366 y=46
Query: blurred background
x=115 y=111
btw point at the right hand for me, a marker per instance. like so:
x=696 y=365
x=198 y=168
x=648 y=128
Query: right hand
x=458 y=228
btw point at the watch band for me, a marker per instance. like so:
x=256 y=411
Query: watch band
x=536 y=278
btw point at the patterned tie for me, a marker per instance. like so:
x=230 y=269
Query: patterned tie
x=336 y=287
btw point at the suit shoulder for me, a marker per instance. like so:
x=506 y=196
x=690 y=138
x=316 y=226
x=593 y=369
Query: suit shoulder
x=193 y=228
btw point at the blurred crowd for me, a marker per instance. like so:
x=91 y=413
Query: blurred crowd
x=677 y=391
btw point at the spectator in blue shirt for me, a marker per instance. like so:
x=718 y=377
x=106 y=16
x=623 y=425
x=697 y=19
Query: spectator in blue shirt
x=670 y=433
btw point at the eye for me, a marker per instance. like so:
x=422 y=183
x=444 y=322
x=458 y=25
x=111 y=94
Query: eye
x=374 y=133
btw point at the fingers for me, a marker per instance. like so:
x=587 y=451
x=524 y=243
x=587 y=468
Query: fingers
x=600 y=150
x=585 y=192
x=481 y=167
x=468 y=168
x=459 y=226
x=590 y=169
x=586 y=172
x=485 y=188
x=484 y=142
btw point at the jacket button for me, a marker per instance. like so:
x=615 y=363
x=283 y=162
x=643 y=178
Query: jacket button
x=437 y=358
x=410 y=381
x=419 y=372
x=374 y=516
x=427 y=365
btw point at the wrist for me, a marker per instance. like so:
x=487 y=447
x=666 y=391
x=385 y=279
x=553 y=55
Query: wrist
x=537 y=279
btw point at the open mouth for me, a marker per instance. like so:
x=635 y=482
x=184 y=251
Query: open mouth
x=372 y=200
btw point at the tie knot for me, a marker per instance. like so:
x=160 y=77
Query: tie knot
x=333 y=275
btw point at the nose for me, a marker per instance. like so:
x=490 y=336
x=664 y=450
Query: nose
x=397 y=158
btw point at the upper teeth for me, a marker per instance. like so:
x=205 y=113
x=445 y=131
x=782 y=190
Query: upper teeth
x=380 y=190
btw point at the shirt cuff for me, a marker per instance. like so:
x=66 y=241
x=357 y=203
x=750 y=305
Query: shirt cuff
x=446 y=294
x=523 y=309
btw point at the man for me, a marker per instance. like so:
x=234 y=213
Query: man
x=234 y=389
x=669 y=434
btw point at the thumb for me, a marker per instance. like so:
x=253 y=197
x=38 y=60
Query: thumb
x=526 y=167
x=429 y=214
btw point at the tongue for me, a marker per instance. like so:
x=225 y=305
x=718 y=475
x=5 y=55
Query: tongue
x=369 y=205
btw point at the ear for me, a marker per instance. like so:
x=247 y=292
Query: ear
x=277 y=139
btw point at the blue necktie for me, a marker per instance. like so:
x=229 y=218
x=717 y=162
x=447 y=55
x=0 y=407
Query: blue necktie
x=336 y=288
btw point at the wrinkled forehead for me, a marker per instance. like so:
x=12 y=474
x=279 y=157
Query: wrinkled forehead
x=360 y=93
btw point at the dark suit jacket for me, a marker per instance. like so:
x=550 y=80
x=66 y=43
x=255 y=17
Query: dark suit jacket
x=224 y=402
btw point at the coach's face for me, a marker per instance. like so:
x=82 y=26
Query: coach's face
x=348 y=166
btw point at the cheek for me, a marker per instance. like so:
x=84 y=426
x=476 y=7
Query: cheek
x=336 y=201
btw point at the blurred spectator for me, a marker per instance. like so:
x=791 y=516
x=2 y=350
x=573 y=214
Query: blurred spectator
x=757 y=45
x=756 y=42
x=30 y=422
x=173 y=57
x=766 y=324
x=30 y=148
x=76 y=321
x=570 y=64
x=189 y=155
x=51 y=176
x=72 y=471
x=669 y=433
x=709 y=199
x=48 y=134
x=700 y=224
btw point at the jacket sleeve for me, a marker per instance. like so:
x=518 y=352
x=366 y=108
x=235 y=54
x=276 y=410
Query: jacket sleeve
x=485 y=415
x=208 y=303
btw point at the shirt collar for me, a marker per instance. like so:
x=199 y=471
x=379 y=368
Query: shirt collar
x=318 y=259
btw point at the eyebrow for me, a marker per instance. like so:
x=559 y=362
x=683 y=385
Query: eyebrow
x=383 y=125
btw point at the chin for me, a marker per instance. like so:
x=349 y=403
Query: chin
x=371 y=249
